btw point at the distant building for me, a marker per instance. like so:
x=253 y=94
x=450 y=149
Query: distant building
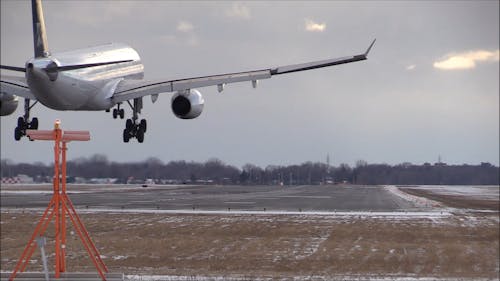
x=102 y=180
x=18 y=179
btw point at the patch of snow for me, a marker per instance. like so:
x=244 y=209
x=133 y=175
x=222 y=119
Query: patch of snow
x=5 y=192
x=479 y=192
x=364 y=277
x=420 y=202
x=119 y=257
x=263 y=215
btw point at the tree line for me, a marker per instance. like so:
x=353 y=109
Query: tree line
x=214 y=171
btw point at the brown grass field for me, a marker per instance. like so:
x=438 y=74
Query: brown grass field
x=462 y=245
x=456 y=201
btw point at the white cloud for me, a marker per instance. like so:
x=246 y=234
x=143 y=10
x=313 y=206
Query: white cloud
x=466 y=60
x=312 y=26
x=238 y=11
x=184 y=26
x=411 y=67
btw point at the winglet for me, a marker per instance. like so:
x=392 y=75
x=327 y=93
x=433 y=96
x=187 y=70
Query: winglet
x=369 y=48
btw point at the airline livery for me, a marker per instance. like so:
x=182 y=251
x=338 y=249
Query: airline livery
x=107 y=76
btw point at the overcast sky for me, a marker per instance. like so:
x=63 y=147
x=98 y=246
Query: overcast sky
x=430 y=86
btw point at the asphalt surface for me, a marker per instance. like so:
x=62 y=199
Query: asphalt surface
x=288 y=198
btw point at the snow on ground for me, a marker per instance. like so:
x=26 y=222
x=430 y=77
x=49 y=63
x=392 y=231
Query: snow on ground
x=339 y=277
x=85 y=188
x=135 y=277
x=479 y=192
x=5 y=192
x=435 y=215
x=419 y=202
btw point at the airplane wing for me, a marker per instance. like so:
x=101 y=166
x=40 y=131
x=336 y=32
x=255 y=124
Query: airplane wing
x=130 y=89
x=15 y=85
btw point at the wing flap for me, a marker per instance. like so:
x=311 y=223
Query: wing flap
x=184 y=84
x=129 y=89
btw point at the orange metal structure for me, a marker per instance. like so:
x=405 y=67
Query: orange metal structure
x=60 y=207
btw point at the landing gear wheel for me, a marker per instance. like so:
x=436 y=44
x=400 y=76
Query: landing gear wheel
x=17 y=134
x=122 y=113
x=143 y=125
x=23 y=122
x=140 y=135
x=115 y=113
x=34 y=124
x=20 y=122
x=126 y=135
x=129 y=124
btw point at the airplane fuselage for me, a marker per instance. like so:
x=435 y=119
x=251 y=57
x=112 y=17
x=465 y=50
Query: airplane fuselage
x=89 y=88
x=103 y=77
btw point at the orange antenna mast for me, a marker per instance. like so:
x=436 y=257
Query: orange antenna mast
x=60 y=206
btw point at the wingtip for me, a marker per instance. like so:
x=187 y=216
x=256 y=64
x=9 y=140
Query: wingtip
x=369 y=48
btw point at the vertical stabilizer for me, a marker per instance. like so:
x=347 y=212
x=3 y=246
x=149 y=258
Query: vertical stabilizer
x=39 y=34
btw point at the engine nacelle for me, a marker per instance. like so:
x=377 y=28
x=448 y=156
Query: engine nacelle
x=187 y=104
x=8 y=104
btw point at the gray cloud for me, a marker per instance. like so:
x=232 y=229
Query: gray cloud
x=375 y=110
x=184 y=26
x=238 y=11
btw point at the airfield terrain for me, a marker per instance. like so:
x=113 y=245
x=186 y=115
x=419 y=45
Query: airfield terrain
x=269 y=232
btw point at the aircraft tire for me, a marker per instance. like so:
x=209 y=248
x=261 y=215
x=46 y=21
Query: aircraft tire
x=122 y=113
x=143 y=125
x=129 y=124
x=17 y=134
x=126 y=135
x=115 y=113
x=20 y=122
x=140 y=135
x=34 y=124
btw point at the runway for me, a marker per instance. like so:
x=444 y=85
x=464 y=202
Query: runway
x=213 y=198
x=271 y=232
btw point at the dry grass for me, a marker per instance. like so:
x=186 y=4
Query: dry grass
x=273 y=245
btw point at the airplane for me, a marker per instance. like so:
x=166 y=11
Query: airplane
x=107 y=76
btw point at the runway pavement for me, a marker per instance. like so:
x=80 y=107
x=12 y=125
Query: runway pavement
x=252 y=198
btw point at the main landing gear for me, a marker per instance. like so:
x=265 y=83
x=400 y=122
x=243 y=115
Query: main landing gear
x=133 y=128
x=24 y=123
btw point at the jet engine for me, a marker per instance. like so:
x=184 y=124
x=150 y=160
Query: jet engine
x=8 y=104
x=187 y=104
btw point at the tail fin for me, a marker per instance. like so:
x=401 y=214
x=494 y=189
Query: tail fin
x=39 y=35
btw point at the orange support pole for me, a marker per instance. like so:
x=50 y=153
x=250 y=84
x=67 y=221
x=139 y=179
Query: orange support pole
x=28 y=250
x=86 y=244
x=60 y=207
x=57 y=180
x=33 y=244
x=63 y=210
x=86 y=234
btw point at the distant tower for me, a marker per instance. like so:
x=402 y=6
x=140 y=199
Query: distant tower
x=329 y=175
